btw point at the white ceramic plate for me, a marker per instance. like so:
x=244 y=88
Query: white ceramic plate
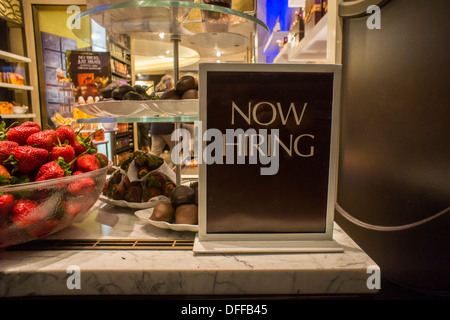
x=133 y=205
x=141 y=108
x=145 y=215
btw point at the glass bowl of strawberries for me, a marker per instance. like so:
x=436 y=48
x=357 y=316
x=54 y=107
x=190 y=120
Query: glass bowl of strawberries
x=48 y=180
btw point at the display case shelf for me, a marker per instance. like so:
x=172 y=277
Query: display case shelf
x=313 y=47
x=272 y=45
x=132 y=119
x=15 y=86
x=11 y=57
x=122 y=60
x=95 y=142
x=18 y=116
x=282 y=56
x=141 y=108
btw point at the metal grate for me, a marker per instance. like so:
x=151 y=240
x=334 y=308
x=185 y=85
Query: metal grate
x=108 y=244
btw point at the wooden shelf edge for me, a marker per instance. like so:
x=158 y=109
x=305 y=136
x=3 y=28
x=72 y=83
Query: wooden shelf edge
x=15 y=86
x=12 y=57
x=18 y=115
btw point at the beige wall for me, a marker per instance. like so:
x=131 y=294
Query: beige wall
x=31 y=46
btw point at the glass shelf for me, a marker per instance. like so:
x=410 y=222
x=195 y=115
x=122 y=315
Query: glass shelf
x=208 y=29
x=140 y=119
x=141 y=108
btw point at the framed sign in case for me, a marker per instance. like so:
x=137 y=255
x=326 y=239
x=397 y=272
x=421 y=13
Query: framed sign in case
x=268 y=153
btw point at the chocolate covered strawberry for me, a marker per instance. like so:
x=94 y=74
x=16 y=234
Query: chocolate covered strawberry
x=87 y=163
x=117 y=192
x=149 y=193
x=168 y=188
x=27 y=159
x=25 y=213
x=6 y=148
x=43 y=139
x=20 y=134
x=134 y=194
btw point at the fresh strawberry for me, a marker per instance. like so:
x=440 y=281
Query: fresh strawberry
x=82 y=187
x=6 y=205
x=20 y=134
x=66 y=133
x=79 y=148
x=102 y=158
x=6 y=148
x=72 y=206
x=54 y=169
x=77 y=172
x=50 y=170
x=43 y=139
x=66 y=151
x=84 y=145
x=87 y=163
x=31 y=124
x=25 y=213
x=5 y=176
x=44 y=229
x=27 y=159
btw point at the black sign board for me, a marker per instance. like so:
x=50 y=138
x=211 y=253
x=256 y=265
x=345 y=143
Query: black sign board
x=269 y=151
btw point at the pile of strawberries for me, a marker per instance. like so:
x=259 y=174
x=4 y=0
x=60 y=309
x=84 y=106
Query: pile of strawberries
x=30 y=154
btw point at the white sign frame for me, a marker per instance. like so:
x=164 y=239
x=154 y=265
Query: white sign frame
x=269 y=242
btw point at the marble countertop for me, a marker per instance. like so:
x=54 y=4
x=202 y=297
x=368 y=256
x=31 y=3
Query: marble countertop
x=175 y=272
